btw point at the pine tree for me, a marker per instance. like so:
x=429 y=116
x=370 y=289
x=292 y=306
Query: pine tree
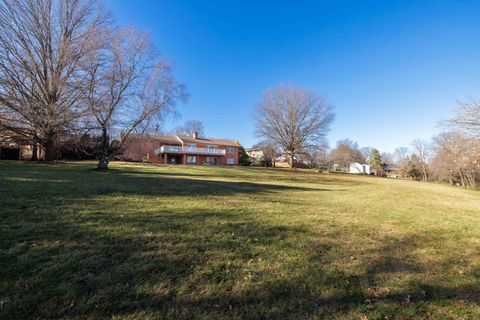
x=375 y=162
x=243 y=158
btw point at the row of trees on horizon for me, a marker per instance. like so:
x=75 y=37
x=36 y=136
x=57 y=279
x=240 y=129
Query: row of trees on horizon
x=452 y=156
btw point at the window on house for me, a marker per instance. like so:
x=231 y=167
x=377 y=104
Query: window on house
x=191 y=159
x=230 y=149
x=230 y=161
x=192 y=145
x=211 y=147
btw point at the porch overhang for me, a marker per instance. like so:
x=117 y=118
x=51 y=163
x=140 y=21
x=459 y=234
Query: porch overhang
x=190 y=150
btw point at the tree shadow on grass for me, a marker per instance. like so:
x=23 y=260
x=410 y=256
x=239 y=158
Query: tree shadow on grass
x=251 y=174
x=93 y=266
x=217 y=264
x=200 y=262
x=394 y=283
x=72 y=186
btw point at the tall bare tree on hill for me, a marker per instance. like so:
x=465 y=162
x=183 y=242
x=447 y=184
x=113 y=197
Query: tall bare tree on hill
x=292 y=117
x=127 y=89
x=42 y=45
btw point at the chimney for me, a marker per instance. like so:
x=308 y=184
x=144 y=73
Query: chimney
x=195 y=135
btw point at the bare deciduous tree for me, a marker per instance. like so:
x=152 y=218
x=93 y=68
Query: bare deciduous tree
x=467 y=117
x=422 y=150
x=387 y=158
x=292 y=117
x=401 y=159
x=345 y=153
x=458 y=150
x=456 y=159
x=190 y=127
x=322 y=159
x=42 y=44
x=366 y=151
x=127 y=89
x=270 y=151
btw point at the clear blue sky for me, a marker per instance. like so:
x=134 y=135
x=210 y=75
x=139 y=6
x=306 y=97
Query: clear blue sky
x=392 y=69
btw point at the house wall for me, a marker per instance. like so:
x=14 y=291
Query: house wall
x=256 y=156
x=153 y=157
x=222 y=160
x=359 y=168
x=137 y=148
x=233 y=155
x=356 y=168
x=201 y=159
x=367 y=169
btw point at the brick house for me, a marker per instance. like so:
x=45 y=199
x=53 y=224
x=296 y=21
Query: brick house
x=181 y=150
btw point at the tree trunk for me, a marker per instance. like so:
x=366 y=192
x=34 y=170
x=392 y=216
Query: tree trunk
x=103 y=163
x=462 y=180
x=104 y=156
x=34 y=152
x=471 y=180
x=50 y=147
x=424 y=174
x=292 y=161
x=49 y=151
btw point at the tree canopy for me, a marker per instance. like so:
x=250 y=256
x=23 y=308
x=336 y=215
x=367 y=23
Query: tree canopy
x=294 y=118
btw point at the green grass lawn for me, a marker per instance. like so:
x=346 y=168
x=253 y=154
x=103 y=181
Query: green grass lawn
x=160 y=242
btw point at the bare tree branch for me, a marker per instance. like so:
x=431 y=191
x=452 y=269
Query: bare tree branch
x=190 y=127
x=42 y=44
x=293 y=118
x=422 y=150
x=126 y=89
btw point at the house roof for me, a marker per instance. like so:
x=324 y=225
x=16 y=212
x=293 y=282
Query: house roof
x=223 y=142
x=185 y=139
x=156 y=137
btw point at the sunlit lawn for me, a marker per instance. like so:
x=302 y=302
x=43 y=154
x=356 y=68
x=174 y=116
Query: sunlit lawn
x=159 y=242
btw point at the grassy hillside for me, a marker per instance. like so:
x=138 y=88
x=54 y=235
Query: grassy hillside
x=148 y=242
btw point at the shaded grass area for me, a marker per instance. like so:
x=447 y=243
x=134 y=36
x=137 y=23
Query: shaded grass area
x=150 y=242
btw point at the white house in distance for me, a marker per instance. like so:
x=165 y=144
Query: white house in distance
x=359 y=168
x=256 y=155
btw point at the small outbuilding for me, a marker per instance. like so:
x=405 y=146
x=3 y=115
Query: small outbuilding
x=359 y=168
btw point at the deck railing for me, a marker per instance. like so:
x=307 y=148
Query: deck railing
x=190 y=150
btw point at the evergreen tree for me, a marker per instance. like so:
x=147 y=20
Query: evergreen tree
x=375 y=162
x=243 y=158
